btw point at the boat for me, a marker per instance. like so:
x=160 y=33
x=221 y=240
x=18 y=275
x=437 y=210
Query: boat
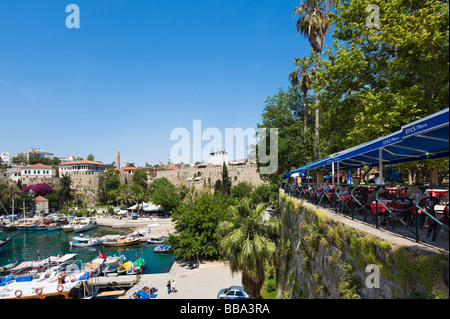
x=156 y=240
x=69 y=227
x=41 y=227
x=9 y=266
x=162 y=249
x=123 y=269
x=89 y=243
x=112 y=263
x=27 y=224
x=53 y=226
x=4 y=241
x=122 y=241
x=87 y=224
x=57 y=285
x=137 y=268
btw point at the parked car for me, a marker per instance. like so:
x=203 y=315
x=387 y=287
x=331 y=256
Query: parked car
x=233 y=292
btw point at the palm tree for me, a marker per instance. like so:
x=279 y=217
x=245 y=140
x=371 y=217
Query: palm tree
x=303 y=78
x=246 y=241
x=314 y=21
x=126 y=196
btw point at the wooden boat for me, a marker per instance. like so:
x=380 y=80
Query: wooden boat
x=162 y=249
x=122 y=241
x=53 y=226
x=9 y=266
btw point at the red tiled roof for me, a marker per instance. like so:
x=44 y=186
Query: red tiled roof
x=82 y=162
x=171 y=167
x=40 y=199
x=39 y=165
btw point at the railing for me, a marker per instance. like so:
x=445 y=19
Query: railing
x=388 y=202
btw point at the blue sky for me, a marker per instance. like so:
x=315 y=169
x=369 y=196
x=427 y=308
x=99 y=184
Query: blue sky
x=135 y=70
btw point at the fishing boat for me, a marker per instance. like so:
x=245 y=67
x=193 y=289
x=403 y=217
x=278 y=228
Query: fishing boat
x=27 y=224
x=69 y=227
x=87 y=224
x=123 y=269
x=9 y=266
x=112 y=263
x=156 y=240
x=137 y=268
x=162 y=249
x=89 y=243
x=53 y=226
x=4 y=241
x=122 y=241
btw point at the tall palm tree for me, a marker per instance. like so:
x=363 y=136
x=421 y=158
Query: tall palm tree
x=246 y=241
x=126 y=196
x=303 y=78
x=314 y=21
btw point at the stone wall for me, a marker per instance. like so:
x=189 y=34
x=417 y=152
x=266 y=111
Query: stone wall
x=324 y=257
x=210 y=174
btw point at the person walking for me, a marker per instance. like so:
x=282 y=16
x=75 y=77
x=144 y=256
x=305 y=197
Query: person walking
x=173 y=286
x=169 y=288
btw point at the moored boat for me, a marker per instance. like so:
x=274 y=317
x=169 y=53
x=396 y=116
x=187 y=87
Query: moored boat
x=137 y=268
x=74 y=222
x=123 y=269
x=89 y=243
x=156 y=240
x=122 y=241
x=162 y=249
x=87 y=224
x=112 y=263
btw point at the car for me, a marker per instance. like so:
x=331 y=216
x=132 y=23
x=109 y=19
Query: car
x=233 y=292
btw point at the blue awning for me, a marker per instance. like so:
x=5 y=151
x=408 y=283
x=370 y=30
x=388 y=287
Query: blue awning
x=427 y=138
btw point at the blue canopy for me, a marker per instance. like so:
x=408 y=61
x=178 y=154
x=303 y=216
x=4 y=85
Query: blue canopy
x=427 y=138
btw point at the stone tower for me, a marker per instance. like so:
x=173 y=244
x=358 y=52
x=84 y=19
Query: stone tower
x=117 y=160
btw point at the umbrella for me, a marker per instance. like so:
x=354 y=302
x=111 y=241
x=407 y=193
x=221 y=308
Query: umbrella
x=350 y=180
x=395 y=176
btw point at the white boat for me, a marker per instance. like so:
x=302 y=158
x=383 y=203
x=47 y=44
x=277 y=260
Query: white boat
x=162 y=249
x=87 y=224
x=89 y=243
x=112 y=263
x=155 y=240
x=69 y=227
x=56 y=285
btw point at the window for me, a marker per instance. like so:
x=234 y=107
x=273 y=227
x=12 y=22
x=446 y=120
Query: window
x=239 y=293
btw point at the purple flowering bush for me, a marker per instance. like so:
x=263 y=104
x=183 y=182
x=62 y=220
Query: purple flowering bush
x=39 y=189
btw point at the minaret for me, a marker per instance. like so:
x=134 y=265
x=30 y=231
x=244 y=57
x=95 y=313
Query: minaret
x=117 y=160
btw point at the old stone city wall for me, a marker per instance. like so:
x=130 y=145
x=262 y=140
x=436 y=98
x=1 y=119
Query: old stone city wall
x=322 y=256
x=210 y=174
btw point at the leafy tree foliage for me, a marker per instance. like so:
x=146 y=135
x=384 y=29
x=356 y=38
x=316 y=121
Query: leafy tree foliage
x=196 y=225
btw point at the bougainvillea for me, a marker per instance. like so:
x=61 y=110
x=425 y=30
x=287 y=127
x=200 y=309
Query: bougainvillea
x=39 y=189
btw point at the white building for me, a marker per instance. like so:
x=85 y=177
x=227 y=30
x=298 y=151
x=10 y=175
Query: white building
x=218 y=157
x=36 y=170
x=5 y=158
x=70 y=158
x=81 y=167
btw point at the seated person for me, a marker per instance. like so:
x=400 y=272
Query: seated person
x=418 y=190
x=343 y=191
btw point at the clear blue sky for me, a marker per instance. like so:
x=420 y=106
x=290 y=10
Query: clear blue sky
x=135 y=70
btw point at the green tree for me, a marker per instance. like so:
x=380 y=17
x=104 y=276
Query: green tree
x=241 y=190
x=164 y=193
x=196 y=225
x=140 y=177
x=65 y=193
x=246 y=240
x=90 y=157
x=314 y=21
x=126 y=196
x=226 y=180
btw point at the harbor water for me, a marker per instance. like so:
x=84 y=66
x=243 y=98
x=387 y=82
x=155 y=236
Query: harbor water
x=37 y=245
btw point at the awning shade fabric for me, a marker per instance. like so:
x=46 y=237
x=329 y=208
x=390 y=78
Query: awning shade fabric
x=426 y=138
